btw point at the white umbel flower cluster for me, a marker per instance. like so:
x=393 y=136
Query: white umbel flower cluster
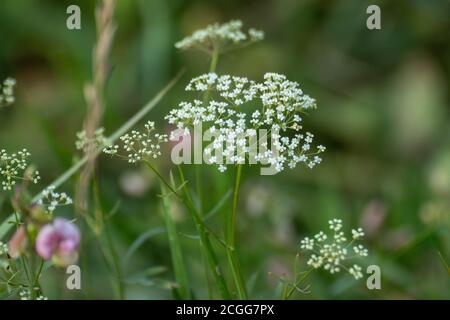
x=222 y=36
x=7 y=92
x=13 y=167
x=51 y=200
x=231 y=117
x=83 y=142
x=25 y=294
x=3 y=248
x=140 y=145
x=331 y=252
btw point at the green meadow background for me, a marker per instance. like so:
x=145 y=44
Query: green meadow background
x=383 y=113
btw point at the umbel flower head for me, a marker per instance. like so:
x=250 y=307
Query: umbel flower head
x=83 y=142
x=51 y=199
x=220 y=36
x=7 y=92
x=13 y=167
x=231 y=116
x=333 y=252
x=140 y=146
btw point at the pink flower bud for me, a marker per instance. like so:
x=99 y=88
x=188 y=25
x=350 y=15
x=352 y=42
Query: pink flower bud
x=18 y=242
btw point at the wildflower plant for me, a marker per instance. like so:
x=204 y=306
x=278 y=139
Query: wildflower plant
x=243 y=117
x=7 y=92
x=259 y=121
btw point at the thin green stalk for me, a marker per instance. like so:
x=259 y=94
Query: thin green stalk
x=116 y=264
x=38 y=274
x=296 y=284
x=161 y=178
x=231 y=240
x=198 y=172
x=232 y=229
x=214 y=59
x=204 y=240
x=199 y=185
x=175 y=250
x=113 y=260
x=188 y=202
x=27 y=272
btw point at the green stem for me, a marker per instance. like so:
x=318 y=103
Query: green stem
x=233 y=259
x=232 y=234
x=198 y=183
x=204 y=240
x=212 y=69
x=161 y=178
x=296 y=284
x=116 y=265
x=198 y=172
x=38 y=274
x=214 y=59
x=175 y=250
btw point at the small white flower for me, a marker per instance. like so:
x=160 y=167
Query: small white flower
x=307 y=244
x=339 y=237
x=355 y=271
x=335 y=224
x=321 y=236
x=360 y=251
x=3 y=248
x=315 y=261
x=357 y=233
x=7 y=92
x=24 y=294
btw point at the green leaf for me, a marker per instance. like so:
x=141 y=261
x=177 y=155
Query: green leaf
x=219 y=204
x=140 y=241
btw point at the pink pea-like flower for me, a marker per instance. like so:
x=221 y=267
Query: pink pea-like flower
x=59 y=241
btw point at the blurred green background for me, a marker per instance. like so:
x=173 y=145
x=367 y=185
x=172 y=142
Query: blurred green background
x=384 y=115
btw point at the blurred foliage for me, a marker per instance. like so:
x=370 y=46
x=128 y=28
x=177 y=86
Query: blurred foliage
x=383 y=114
